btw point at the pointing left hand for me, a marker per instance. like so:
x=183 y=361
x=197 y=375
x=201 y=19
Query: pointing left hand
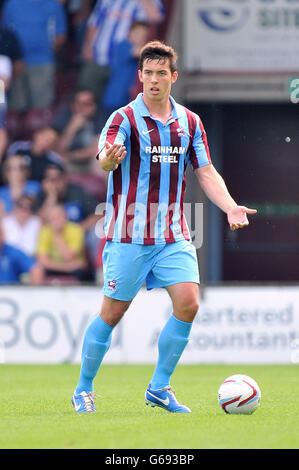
x=237 y=216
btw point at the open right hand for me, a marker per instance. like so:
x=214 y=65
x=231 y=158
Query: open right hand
x=114 y=155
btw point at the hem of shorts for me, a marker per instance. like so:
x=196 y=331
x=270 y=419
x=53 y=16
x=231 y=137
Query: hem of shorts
x=172 y=284
x=117 y=297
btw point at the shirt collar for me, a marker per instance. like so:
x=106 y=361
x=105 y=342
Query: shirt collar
x=145 y=112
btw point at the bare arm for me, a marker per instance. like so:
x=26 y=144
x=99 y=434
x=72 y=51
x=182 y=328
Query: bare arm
x=88 y=42
x=65 y=141
x=18 y=67
x=152 y=11
x=66 y=253
x=36 y=275
x=59 y=40
x=63 y=266
x=3 y=142
x=89 y=222
x=215 y=189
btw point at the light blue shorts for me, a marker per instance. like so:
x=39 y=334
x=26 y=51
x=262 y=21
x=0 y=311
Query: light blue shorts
x=127 y=266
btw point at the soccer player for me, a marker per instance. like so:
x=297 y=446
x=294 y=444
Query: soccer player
x=146 y=147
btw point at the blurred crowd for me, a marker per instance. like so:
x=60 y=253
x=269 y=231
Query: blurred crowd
x=65 y=66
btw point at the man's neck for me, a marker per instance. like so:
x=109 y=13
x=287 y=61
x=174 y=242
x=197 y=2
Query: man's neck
x=160 y=110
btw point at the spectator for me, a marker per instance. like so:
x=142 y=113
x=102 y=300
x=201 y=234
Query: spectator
x=14 y=263
x=79 y=206
x=108 y=24
x=15 y=175
x=21 y=227
x=78 y=126
x=61 y=246
x=40 y=26
x=125 y=57
x=38 y=153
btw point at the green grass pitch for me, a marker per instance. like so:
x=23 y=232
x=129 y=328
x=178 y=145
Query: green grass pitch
x=36 y=411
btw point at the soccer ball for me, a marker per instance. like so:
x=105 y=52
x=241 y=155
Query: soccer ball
x=239 y=394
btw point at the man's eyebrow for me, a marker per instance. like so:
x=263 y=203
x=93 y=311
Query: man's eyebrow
x=159 y=70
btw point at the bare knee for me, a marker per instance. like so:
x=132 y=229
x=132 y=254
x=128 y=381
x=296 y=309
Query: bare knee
x=187 y=308
x=113 y=310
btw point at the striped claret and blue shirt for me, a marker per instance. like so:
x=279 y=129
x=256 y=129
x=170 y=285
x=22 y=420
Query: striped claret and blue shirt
x=112 y=19
x=146 y=192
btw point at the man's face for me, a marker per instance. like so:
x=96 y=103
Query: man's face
x=57 y=218
x=84 y=104
x=157 y=79
x=55 y=179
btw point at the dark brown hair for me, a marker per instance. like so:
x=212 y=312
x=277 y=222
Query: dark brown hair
x=157 y=50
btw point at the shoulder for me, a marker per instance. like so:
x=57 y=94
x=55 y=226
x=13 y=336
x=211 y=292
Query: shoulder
x=194 y=121
x=121 y=118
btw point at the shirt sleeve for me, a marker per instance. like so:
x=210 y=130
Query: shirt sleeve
x=199 y=153
x=95 y=16
x=116 y=131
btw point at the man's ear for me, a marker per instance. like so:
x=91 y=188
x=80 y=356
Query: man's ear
x=140 y=75
x=174 y=77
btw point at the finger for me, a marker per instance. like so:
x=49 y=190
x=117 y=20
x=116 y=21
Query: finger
x=108 y=145
x=237 y=226
x=120 y=159
x=120 y=151
x=250 y=211
x=112 y=150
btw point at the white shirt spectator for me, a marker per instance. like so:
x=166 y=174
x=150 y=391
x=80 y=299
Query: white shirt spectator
x=24 y=236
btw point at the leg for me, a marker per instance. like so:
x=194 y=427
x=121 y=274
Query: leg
x=97 y=340
x=93 y=77
x=171 y=344
x=41 y=80
x=175 y=334
x=18 y=96
x=185 y=300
